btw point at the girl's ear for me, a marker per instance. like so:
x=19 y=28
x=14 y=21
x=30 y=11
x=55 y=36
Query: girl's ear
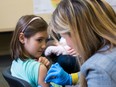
x=21 y=38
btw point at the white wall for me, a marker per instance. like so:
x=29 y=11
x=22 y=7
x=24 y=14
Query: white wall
x=12 y=10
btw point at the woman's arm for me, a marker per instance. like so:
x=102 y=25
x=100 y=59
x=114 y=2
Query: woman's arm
x=99 y=78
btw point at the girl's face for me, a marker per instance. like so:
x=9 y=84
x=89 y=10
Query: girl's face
x=35 y=45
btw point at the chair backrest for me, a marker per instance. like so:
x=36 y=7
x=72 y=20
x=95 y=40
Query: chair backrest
x=13 y=81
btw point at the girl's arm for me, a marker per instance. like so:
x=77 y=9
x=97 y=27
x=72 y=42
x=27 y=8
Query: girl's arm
x=41 y=76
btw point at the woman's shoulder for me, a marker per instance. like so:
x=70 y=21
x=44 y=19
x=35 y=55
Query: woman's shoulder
x=102 y=56
x=101 y=61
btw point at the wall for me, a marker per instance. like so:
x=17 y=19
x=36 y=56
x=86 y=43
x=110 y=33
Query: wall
x=12 y=10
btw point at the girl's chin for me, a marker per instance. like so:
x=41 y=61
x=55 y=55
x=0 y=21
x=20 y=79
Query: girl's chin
x=38 y=56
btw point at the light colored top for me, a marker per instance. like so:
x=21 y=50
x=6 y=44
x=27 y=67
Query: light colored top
x=26 y=70
x=100 y=69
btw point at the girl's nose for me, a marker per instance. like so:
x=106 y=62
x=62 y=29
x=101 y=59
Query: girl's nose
x=44 y=45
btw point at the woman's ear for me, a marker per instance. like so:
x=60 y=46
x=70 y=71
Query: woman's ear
x=21 y=38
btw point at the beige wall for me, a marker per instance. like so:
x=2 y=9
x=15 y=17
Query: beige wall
x=12 y=10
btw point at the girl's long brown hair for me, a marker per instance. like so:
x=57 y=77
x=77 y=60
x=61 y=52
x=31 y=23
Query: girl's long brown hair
x=29 y=29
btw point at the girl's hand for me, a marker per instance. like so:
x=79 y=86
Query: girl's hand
x=45 y=61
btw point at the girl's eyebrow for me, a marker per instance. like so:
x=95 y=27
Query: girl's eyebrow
x=41 y=37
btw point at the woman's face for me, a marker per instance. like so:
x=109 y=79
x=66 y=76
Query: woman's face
x=70 y=43
x=35 y=45
x=68 y=40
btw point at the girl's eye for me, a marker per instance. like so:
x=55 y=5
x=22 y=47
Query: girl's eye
x=40 y=40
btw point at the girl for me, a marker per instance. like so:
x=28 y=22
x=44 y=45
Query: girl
x=27 y=45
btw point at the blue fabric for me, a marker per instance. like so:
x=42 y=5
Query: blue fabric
x=26 y=70
x=100 y=69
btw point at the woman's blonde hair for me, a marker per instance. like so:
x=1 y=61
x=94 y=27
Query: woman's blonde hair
x=87 y=23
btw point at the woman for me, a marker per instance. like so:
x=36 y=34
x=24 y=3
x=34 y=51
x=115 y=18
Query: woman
x=88 y=29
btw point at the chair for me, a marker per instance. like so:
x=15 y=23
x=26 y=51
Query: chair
x=13 y=81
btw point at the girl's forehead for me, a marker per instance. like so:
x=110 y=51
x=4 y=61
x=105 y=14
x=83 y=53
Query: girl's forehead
x=42 y=33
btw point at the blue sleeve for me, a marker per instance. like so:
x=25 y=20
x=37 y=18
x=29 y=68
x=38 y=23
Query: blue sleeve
x=33 y=71
x=97 y=77
x=100 y=69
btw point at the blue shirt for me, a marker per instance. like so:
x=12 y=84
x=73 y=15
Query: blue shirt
x=100 y=69
x=26 y=70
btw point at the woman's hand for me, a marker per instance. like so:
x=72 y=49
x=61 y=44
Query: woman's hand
x=57 y=75
x=59 y=49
